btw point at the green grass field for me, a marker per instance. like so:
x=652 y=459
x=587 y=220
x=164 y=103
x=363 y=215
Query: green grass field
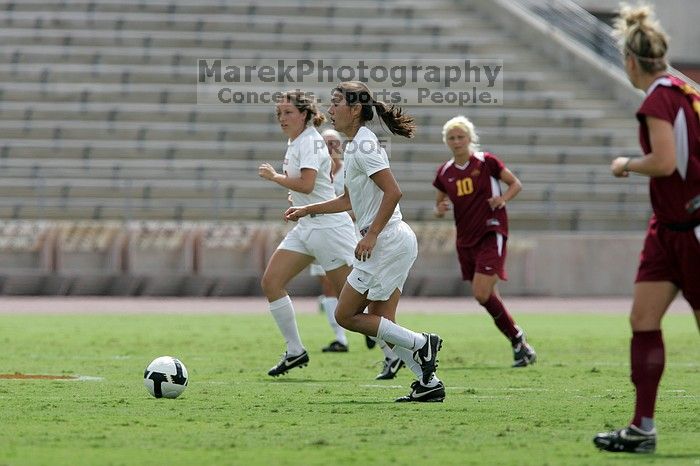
x=332 y=412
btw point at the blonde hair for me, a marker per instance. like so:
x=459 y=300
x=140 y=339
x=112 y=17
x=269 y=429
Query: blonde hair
x=336 y=151
x=465 y=125
x=641 y=36
x=333 y=134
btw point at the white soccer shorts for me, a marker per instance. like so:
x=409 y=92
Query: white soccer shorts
x=388 y=266
x=331 y=247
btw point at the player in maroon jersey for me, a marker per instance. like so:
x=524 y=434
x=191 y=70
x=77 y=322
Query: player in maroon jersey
x=470 y=181
x=669 y=134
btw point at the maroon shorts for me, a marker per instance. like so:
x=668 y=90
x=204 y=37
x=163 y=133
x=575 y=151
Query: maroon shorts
x=672 y=256
x=488 y=256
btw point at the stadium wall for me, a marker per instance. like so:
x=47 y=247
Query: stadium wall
x=197 y=259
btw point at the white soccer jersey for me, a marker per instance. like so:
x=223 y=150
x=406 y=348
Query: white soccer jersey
x=363 y=158
x=309 y=150
x=339 y=181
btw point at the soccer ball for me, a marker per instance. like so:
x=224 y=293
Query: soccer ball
x=165 y=377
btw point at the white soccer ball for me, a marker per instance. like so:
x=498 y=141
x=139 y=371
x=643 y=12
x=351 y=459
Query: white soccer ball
x=165 y=377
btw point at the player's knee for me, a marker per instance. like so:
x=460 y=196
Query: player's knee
x=482 y=295
x=343 y=319
x=270 y=285
x=349 y=319
x=641 y=321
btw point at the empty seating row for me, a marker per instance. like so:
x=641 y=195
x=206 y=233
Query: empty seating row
x=498 y=116
x=29 y=53
x=232 y=170
x=89 y=129
x=271 y=151
x=318 y=8
x=212 y=28
x=183 y=72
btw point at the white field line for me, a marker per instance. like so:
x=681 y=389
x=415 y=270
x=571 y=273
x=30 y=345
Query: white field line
x=89 y=378
x=73 y=378
x=668 y=364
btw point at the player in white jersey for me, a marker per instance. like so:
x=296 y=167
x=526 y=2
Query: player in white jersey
x=328 y=300
x=327 y=239
x=388 y=246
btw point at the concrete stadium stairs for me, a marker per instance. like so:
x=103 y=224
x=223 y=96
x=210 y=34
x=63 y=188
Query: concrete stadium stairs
x=98 y=113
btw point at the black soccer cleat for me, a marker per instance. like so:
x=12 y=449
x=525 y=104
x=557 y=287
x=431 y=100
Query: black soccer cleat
x=523 y=353
x=391 y=367
x=421 y=393
x=335 y=347
x=370 y=342
x=289 y=362
x=628 y=440
x=427 y=355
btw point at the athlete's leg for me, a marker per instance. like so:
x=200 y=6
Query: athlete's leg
x=327 y=288
x=282 y=267
x=651 y=300
x=486 y=293
x=333 y=283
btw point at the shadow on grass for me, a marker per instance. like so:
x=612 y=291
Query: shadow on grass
x=291 y=380
x=360 y=402
x=474 y=368
x=651 y=458
x=677 y=456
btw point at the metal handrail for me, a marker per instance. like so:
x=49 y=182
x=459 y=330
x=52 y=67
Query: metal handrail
x=580 y=25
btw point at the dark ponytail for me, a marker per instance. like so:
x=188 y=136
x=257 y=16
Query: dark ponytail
x=393 y=116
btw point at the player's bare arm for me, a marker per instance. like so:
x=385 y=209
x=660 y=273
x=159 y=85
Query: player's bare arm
x=304 y=184
x=514 y=187
x=442 y=204
x=661 y=161
x=385 y=181
x=339 y=204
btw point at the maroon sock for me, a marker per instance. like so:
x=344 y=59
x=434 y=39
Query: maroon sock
x=647 y=358
x=501 y=317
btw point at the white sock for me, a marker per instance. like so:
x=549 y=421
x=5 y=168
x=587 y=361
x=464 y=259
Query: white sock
x=386 y=349
x=400 y=336
x=433 y=381
x=406 y=356
x=329 y=304
x=647 y=424
x=283 y=312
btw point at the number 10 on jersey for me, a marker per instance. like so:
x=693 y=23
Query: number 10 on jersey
x=465 y=186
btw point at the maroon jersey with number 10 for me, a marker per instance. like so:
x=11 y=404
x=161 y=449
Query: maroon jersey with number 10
x=469 y=188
